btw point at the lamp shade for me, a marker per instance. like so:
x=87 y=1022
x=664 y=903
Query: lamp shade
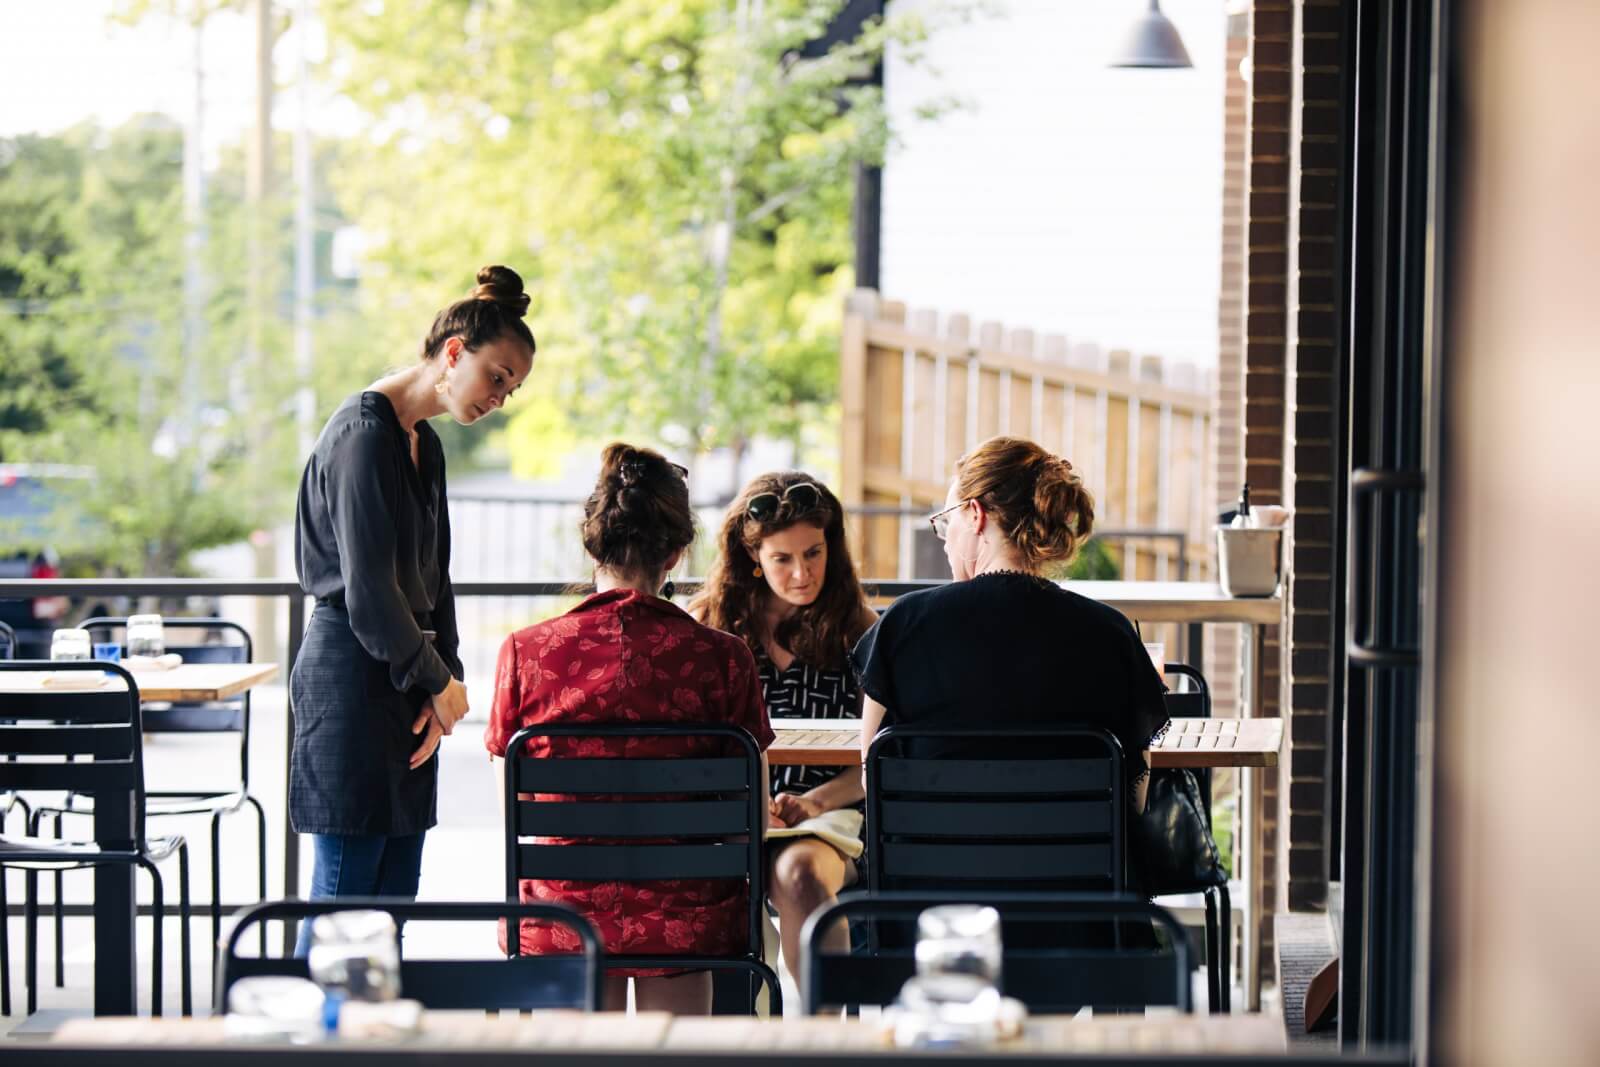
x=1152 y=41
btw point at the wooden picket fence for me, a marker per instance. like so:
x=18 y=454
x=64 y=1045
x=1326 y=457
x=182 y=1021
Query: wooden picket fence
x=915 y=396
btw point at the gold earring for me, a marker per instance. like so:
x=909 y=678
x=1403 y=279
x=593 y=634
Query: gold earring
x=758 y=570
x=442 y=386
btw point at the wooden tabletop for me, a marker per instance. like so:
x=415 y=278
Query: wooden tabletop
x=1189 y=743
x=186 y=683
x=601 y=1030
x=1181 y=602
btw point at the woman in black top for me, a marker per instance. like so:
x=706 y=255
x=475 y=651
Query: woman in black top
x=1001 y=645
x=784 y=582
x=377 y=681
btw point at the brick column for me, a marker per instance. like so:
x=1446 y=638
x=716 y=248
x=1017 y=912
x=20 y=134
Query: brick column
x=1315 y=288
x=1266 y=330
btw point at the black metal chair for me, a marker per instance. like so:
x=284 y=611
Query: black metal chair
x=520 y=983
x=1192 y=703
x=698 y=818
x=993 y=809
x=50 y=730
x=223 y=716
x=1048 y=973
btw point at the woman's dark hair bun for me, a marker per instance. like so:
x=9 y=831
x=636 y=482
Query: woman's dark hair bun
x=639 y=513
x=502 y=285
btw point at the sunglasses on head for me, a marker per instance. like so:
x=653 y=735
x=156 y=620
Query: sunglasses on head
x=799 y=498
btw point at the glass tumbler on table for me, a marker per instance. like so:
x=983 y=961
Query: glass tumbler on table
x=145 y=637
x=355 y=955
x=69 y=644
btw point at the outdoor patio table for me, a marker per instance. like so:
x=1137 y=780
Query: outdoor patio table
x=574 y=1032
x=114 y=894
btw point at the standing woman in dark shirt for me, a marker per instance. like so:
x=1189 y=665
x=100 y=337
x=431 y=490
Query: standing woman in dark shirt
x=378 y=679
x=1001 y=645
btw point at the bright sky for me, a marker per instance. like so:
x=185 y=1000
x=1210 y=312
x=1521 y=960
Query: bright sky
x=63 y=61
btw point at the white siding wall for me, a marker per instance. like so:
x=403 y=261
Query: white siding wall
x=1067 y=196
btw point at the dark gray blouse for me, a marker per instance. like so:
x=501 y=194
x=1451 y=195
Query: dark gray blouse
x=372 y=536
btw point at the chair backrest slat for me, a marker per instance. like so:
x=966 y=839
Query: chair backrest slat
x=100 y=740
x=69 y=777
x=631 y=775
x=998 y=776
x=959 y=862
x=1047 y=818
x=714 y=818
x=67 y=705
x=630 y=862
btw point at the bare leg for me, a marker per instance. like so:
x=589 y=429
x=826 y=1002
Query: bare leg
x=806 y=874
x=687 y=994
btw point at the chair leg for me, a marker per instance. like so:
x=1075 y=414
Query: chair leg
x=1225 y=947
x=1213 y=955
x=216 y=884
x=30 y=935
x=61 y=924
x=261 y=860
x=5 y=948
x=158 y=906
x=186 y=959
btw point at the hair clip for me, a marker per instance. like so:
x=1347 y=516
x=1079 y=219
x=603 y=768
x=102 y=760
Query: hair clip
x=631 y=469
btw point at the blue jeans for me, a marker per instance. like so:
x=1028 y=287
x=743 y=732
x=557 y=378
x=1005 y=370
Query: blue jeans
x=362 y=865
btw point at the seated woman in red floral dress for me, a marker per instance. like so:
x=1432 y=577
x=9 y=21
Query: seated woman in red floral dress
x=626 y=655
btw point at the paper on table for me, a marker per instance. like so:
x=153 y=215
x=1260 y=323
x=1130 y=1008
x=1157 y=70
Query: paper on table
x=840 y=828
x=153 y=663
x=74 y=680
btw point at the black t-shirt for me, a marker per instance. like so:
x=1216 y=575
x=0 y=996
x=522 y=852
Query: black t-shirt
x=1015 y=651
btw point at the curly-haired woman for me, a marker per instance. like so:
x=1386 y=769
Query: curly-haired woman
x=784 y=583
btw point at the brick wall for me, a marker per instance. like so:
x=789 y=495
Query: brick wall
x=1310 y=451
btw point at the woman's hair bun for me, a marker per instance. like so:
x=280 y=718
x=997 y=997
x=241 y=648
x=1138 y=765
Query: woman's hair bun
x=639 y=513
x=502 y=285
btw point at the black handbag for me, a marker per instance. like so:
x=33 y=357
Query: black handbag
x=1170 y=847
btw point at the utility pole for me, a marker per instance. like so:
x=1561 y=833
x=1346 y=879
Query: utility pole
x=305 y=280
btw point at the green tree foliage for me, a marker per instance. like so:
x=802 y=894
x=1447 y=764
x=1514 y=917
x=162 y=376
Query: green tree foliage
x=673 y=181
x=108 y=366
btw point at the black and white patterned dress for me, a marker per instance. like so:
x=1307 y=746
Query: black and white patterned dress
x=802 y=691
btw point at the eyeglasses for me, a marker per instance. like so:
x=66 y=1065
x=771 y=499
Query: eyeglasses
x=940 y=520
x=799 y=498
x=679 y=469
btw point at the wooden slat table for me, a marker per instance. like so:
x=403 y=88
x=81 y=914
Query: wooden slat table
x=1189 y=743
x=186 y=683
x=571 y=1032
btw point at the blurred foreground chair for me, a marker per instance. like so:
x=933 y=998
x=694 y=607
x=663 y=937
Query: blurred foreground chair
x=519 y=983
x=1041 y=965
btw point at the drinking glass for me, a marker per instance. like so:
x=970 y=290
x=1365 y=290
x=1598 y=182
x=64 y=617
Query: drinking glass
x=69 y=644
x=355 y=955
x=145 y=637
x=959 y=939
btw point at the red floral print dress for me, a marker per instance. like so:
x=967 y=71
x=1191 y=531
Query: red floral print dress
x=622 y=656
